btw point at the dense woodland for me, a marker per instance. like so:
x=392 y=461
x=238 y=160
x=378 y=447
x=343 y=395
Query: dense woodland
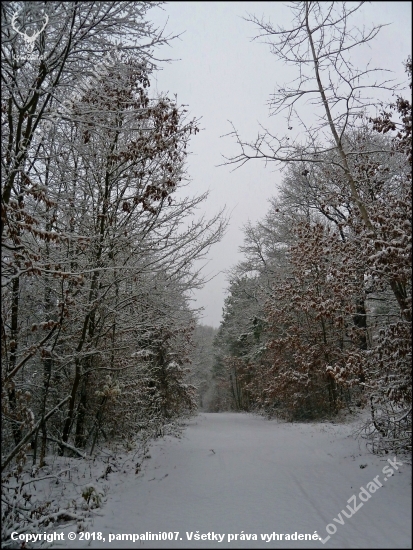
x=100 y=241
x=326 y=276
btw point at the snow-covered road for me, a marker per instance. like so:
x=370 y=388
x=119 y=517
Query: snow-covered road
x=236 y=473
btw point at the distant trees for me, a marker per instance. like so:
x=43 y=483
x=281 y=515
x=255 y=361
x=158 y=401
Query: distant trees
x=334 y=287
x=97 y=245
x=202 y=363
x=237 y=343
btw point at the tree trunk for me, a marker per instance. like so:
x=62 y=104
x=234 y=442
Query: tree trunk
x=70 y=413
x=13 y=355
x=81 y=413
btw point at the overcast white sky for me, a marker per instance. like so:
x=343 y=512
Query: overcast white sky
x=222 y=75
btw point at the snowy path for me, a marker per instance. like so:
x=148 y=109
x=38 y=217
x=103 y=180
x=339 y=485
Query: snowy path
x=262 y=477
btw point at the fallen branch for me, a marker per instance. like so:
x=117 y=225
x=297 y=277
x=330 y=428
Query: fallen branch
x=70 y=447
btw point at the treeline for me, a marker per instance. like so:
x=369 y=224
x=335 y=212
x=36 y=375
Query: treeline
x=202 y=366
x=318 y=316
x=98 y=237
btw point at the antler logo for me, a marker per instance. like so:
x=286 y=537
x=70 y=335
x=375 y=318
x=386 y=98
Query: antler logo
x=30 y=40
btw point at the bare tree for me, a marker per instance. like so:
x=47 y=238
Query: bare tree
x=321 y=43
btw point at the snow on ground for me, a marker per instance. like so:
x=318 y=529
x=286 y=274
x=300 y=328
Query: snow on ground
x=233 y=473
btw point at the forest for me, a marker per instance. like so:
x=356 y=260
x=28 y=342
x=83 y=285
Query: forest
x=318 y=313
x=101 y=242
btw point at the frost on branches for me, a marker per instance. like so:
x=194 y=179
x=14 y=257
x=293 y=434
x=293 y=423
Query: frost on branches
x=332 y=294
x=97 y=248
